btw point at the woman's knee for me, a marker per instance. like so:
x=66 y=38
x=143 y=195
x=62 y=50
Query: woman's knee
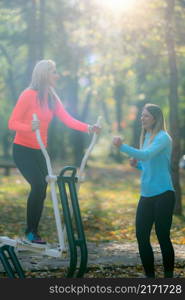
x=163 y=237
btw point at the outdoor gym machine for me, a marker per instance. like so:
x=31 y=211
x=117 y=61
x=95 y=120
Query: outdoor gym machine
x=70 y=230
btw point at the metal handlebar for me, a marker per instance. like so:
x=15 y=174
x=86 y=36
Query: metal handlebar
x=52 y=179
x=89 y=150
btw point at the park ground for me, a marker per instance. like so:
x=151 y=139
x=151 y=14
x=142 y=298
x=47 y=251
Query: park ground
x=108 y=199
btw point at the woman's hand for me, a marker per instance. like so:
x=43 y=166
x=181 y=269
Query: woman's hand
x=94 y=129
x=133 y=162
x=117 y=141
x=35 y=125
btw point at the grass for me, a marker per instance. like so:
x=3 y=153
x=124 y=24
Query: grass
x=108 y=200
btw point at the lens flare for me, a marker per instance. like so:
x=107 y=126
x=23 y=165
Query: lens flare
x=117 y=6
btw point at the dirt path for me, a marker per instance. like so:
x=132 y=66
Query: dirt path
x=99 y=254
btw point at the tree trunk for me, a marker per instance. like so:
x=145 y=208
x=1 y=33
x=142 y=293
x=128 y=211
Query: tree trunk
x=76 y=137
x=118 y=96
x=173 y=101
x=35 y=19
x=10 y=82
x=31 y=18
x=41 y=29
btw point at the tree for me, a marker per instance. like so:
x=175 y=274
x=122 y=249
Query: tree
x=173 y=100
x=35 y=20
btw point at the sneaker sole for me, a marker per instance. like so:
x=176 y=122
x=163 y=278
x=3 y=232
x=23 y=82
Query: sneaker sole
x=35 y=245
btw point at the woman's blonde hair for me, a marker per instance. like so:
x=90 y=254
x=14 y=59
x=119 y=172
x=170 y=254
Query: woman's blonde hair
x=159 y=124
x=40 y=81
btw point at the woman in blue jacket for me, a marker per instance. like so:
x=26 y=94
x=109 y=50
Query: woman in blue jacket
x=157 y=199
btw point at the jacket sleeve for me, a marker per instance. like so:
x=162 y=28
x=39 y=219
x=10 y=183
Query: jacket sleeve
x=157 y=145
x=67 y=119
x=16 y=121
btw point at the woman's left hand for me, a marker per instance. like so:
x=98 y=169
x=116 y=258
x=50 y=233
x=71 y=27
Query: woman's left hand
x=117 y=141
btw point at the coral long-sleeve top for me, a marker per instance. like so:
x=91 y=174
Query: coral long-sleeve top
x=22 y=116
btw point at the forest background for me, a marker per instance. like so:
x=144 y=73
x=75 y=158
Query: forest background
x=112 y=58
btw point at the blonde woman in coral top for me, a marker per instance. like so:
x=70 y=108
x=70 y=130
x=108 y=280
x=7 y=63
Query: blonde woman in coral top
x=39 y=98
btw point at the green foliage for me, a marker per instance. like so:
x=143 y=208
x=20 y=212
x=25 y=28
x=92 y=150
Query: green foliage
x=95 y=51
x=74 y=34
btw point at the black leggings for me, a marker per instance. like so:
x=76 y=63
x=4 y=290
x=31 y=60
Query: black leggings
x=32 y=165
x=156 y=210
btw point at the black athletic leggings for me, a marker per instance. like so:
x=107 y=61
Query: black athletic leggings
x=32 y=166
x=156 y=210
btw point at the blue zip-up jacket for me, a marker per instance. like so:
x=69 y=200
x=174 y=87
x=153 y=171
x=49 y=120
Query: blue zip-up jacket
x=154 y=160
